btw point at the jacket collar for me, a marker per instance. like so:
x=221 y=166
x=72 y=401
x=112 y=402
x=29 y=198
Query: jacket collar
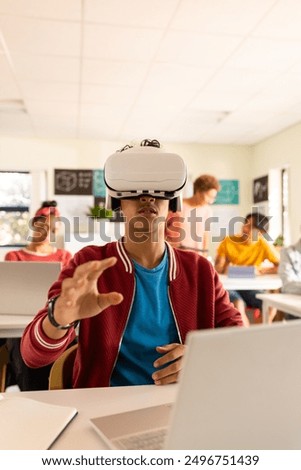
x=128 y=265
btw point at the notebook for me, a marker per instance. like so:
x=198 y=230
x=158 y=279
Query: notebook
x=28 y=424
x=24 y=285
x=240 y=388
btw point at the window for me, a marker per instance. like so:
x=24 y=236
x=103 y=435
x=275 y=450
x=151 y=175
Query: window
x=15 y=199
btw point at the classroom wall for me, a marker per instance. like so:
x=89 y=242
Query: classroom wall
x=279 y=151
x=223 y=161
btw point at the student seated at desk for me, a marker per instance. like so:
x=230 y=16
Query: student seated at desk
x=290 y=271
x=248 y=248
x=40 y=249
x=137 y=298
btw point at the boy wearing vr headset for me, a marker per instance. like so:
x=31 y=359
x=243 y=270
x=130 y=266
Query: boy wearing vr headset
x=136 y=299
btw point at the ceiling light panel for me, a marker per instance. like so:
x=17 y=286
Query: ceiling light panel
x=55 y=126
x=6 y=72
x=286 y=85
x=9 y=90
x=33 y=36
x=275 y=103
x=217 y=101
x=50 y=91
x=266 y=54
x=112 y=43
x=114 y=73
x=167 y=75
x=52 y=9
x=249 y=117
x=46 y=69
x=166 y=96
x=239 y=81
x=52 y=108
x=150 y=115
x=218 y=16
x=94 y=113
x=283 y=21
x=192 y=48
x=135 y=13
x=108 y=95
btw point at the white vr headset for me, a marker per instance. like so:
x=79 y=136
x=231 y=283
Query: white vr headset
x=144 y=170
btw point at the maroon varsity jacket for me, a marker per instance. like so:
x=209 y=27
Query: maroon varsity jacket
x=197 y=298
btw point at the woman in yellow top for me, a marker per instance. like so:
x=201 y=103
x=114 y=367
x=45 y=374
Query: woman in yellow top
x=249 y=248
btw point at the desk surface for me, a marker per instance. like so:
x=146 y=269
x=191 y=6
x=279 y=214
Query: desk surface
x=287 y=303
x=92 y=402
x=264 y=282
x=12 y=326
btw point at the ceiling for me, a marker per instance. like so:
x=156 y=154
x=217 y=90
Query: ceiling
x=206 y=71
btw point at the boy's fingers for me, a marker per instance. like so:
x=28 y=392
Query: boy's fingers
x=112 y=298
x=172 y=352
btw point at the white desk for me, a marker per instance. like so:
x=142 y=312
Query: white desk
x=288 y=303
x=93 y=402
x=264 y=282
x=12 y=326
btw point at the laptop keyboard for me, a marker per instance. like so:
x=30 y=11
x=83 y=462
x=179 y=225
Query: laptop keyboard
x=150 y=440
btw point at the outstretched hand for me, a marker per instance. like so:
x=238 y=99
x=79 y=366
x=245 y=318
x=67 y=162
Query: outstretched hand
x=79 y=297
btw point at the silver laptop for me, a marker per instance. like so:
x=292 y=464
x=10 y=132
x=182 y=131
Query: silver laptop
x=240 y=388
x=24 y=285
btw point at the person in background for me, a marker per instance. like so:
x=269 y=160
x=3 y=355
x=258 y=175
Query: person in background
x=188 y=229
x=248 y=248
x=290 y=271
x=136 y=298
x=40 y=249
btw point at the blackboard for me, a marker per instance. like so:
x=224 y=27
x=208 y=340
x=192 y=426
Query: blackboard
x=73 y=182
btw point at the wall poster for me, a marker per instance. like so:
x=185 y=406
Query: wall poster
x=260 y=189
x=229 y=192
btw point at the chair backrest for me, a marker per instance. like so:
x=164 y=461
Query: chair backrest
x=60 y=376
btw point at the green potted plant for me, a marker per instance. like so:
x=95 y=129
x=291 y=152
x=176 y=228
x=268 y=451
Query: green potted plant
x=100 y=212
x=279 y=242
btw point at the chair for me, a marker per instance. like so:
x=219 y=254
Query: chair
x=4 y=360
x=60 y=376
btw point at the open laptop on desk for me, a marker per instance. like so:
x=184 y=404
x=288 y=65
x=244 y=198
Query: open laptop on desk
x=24 y=285
x=240 y=389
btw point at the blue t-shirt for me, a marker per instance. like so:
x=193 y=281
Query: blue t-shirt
x=151 y=323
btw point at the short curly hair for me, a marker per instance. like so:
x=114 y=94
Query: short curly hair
x=143 y=143
x=205 y=183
